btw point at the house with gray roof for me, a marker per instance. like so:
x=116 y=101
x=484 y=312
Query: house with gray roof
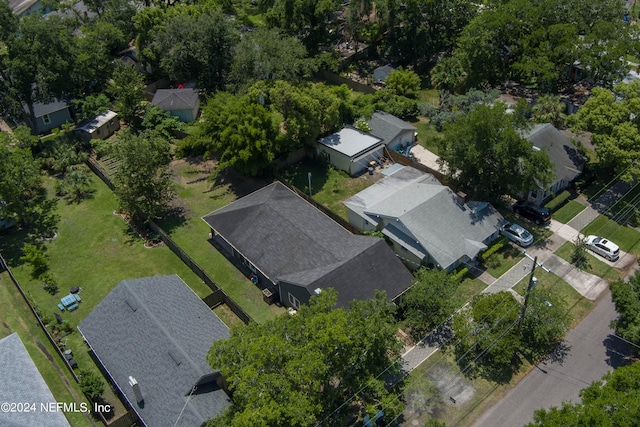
x=396 y=134
x=568 y=162
x=183 y=103
x=295 y=251
x=151 y=336
x=381 y=73
x=351 y=150
x=426 y=222
x=26 y=7
x=47 y=116
x=20 y=383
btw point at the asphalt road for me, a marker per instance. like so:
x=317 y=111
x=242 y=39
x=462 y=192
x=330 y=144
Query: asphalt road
x=589 y=351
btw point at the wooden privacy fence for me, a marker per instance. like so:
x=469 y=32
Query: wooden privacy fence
x=219 y=296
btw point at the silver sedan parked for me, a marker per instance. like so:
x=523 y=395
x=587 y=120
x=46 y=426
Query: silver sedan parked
x=516 y=234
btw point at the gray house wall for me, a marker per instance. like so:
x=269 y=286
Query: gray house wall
x=288 y=289
x=403 y=140
x=56 y=119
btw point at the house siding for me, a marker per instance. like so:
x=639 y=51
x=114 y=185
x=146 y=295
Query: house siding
x=56 y=119
x=301 y=294
x=352 y=165
x=404 y=139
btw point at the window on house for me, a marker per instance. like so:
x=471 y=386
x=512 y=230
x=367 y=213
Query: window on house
x=46 y=119
x=295 y=302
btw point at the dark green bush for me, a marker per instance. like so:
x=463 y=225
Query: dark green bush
x=558 y=201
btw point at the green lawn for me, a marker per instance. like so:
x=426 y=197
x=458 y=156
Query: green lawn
x=197 y=197
x=16 y=316
x=469 y=288
x=501 y=261
x=595 y=266
x=568 y=211
x=428 y=137
x=328 y=185
x=578 y=306
x=626 y=237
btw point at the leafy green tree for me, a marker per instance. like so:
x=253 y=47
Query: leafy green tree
x=403 y=83
x=197 y=48
x=35 y=256
x=75 y=185
x=610 y=116
x=549 y=109
x=126 y=88
x=310 y=364
x=579 y=256
x=613 y=401
x=488 y=336
x=21 y=187
x=448 y=74
x=485 y=153
x=428 y=302
x=265 y=54
x=90 y=106
x=160 y=121
x=40 y=57
x=626 y=297
x=142 y=180
x=545 y=323
x=91 y=384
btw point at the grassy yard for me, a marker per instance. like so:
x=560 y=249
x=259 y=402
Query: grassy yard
x=428 y=137
x=595 y=266
x=328 y=185
x=626 y=237
x=197 y=196
x=501 y=261
x=568 y=211
x=16 y=316
x=469 y=288
x=578 y=306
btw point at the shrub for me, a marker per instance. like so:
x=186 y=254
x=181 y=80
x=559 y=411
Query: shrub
x=493 y=249
x=91 y=384
x=34 y=255
x=558 y=201
x=193 y=146
x=459 y=275
x=50 y=284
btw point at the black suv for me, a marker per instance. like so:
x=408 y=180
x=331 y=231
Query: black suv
x=534 y=213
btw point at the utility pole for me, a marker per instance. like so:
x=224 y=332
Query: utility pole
x=532 y=283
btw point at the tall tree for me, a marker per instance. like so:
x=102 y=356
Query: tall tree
x=549 y=109
x=403 y=83
x=428 y=302
x=297 y=370
x=626 y=297
x=485 y=153
x=265 y=54
x=197 y=48
x=142 y=180
x=126 y=88
x=611 y=117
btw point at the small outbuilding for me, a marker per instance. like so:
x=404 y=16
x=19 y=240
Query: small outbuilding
x=101 y=126
x=396 y=134
x=380 y=74
x=182 y=103
x=351 y=150
x=47 y=116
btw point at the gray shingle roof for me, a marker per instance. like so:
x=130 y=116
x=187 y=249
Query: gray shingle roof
x=20 y=6
x=387 y=126
x=564 y=155
x=20 y=382
x=290 y=240
x=157 y=330
x=425 y=215
x=98 y=121
x=40 y=108
x=176 y=99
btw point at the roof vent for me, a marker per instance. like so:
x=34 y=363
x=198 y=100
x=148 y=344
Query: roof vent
x=460 y=198
x=176 y=358
x=133 y=305
x=136 y=389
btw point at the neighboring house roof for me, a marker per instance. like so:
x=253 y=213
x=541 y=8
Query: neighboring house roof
x=564 y=155
x=158 y=331
x=176 y=99
x=382 y=72
x=350 y=141
x=20 y=6
x=387 y=126
x=427 y=218
x=41 y=108
x=290 y=240
x=98 y=121
x=21 y=383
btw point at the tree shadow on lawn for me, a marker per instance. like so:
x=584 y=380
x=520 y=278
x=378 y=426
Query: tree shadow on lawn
x=174 y=217
x=11 y=241
x=239 y=184
x=298 y=174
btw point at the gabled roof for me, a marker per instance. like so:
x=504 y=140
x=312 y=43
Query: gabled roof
x=351 y=142
x=21 y=382
x=98 y=121
x=387 y=126
x=425 y=216
x=41 y=108
x=382 y=72
x=20 y=6
x=290 y=240
x=158 y=331
x=176 y=99
x=564 y=155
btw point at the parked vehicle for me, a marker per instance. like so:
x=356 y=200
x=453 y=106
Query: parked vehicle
x=603 y=247
x=534 y=213
x=516 y=234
